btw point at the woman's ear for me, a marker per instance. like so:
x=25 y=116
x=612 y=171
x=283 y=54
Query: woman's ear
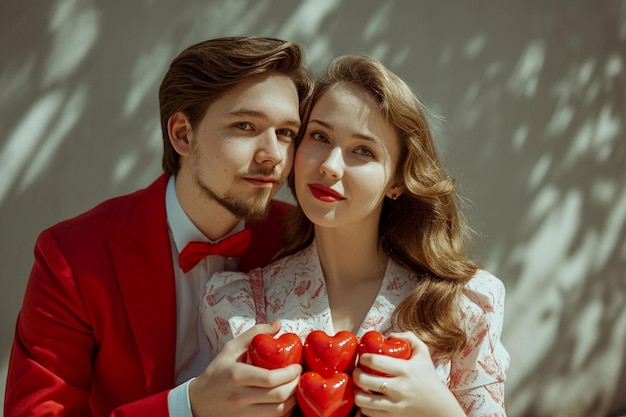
x=395 y=192
x=179 y=130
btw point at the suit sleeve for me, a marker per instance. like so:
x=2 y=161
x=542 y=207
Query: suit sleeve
x=51 y=369
x=153 y=406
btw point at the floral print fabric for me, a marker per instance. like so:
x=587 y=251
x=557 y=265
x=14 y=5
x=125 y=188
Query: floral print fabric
x=293 y=291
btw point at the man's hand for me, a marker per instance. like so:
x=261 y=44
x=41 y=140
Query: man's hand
x=231 y=387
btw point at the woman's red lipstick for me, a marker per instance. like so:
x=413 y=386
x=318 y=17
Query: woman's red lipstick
x=325 y=194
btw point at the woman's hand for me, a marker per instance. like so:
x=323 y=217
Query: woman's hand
x=411 y=387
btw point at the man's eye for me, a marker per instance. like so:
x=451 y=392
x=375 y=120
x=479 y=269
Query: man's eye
x=243 y=125
x=286 y=132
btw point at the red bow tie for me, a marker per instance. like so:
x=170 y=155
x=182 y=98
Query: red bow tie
x=194 y=252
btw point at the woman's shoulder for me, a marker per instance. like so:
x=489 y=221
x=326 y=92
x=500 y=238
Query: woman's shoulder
x=484 y=289
x=482 y=301
x=269 y=273
x=304 y=259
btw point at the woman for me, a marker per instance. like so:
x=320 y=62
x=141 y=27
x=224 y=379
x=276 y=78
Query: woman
x=377 y=243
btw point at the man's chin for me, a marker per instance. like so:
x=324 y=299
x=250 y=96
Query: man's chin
x=258 y=212
x=257 y=217
x=253 y=209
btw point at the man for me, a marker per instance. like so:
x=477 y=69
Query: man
x=109 y=323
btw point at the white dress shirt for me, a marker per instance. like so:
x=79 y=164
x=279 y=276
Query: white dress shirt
x=192 y=350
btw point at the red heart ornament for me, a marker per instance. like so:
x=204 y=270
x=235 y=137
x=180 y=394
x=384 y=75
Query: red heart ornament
x=327 y=355
x=375 y=342
x=275 y=352
x=325 y=397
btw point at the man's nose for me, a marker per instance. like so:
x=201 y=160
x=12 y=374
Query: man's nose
x=269 y=151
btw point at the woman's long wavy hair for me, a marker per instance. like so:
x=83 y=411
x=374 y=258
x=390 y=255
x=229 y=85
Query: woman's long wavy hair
x=423 y=229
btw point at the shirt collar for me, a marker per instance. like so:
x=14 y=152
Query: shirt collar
x=182 y=228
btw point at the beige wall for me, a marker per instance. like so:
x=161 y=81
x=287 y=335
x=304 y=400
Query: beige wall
x=533 y=99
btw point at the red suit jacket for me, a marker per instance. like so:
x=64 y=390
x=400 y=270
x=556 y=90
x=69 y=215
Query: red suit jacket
x=96 y=332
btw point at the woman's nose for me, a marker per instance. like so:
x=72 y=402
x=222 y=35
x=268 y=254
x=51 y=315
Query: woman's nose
x=332 y=166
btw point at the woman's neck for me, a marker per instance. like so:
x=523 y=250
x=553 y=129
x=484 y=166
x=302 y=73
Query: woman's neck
x=353 y=267
x=347 y=258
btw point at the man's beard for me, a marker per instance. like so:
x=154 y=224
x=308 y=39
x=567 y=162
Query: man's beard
x=255 y=208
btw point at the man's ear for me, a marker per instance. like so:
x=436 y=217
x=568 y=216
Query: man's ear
x=179 y=131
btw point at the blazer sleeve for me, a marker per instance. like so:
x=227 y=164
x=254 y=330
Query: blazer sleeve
x=153 y=406
x=51 y=370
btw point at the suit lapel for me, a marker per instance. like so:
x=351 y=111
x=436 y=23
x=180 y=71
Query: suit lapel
x=143 y=263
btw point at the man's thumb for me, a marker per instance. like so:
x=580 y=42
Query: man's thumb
x=268 y=328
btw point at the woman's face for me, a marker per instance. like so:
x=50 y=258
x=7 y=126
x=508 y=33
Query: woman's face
x=345 y=164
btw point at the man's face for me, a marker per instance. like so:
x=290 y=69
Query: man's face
x=242 y=151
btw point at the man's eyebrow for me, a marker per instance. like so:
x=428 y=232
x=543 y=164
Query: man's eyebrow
x=356 y=135
x=261 y=115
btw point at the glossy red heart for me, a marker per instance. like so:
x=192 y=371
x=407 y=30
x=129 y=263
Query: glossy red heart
x=326 y=354
x=275 y=352
x=325 y=397
x=375 y=342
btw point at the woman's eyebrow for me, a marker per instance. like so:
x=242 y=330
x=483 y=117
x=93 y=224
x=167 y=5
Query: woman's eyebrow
x=363 y=136
x=322 y=123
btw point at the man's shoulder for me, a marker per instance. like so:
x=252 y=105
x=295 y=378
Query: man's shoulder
x=110 y=214
x=275 y=220
x=267 y=236
x=280 y=209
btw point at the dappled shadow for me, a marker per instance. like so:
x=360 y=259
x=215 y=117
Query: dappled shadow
x=531 y=98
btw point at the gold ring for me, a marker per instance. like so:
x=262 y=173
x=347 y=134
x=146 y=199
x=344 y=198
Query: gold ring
x=383 y=387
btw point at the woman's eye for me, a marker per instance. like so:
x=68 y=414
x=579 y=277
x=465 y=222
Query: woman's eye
x=320 y=137
x=365 y=152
